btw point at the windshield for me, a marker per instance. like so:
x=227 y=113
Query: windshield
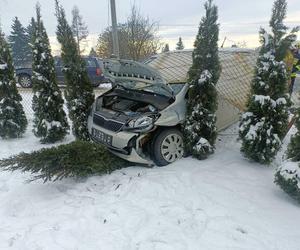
x=156 y=88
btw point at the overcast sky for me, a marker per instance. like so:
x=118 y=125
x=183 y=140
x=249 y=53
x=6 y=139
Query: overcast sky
x=239 y=19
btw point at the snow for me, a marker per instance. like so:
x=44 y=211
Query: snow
x=252 y=133
x=290 y=169
x=281 y=101
x=262 y=99
x=266 y=38
x=3 y=66
x=105 y=86
x=202 y=144
x=224 y=202
x=205 y=76
x=51 y=125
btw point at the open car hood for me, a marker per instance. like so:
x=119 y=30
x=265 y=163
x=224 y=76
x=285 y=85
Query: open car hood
x=120 y=71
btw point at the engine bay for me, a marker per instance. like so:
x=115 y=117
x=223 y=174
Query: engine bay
x=127 y=106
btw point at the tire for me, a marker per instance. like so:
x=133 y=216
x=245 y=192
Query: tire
x=167 y=147
x=25 y=81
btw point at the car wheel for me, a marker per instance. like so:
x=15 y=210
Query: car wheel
x=25 y=81
x=167 y=147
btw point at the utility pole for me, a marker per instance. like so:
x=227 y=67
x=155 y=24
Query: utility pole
x=116 y=49
x=222 y=46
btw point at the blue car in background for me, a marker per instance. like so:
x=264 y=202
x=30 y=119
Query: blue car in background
x=94 y=68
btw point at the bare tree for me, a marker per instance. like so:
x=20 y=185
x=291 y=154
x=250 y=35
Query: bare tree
x=79 y=28
x=138 y=38
x=104 y=46
x=143 y=40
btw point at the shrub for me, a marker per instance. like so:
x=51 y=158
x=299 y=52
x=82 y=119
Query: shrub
x=288 y=178
x=288 y=174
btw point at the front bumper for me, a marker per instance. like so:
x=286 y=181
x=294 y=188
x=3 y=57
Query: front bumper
x=124 y=144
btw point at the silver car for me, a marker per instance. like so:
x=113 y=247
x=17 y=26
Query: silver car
x=140 y=118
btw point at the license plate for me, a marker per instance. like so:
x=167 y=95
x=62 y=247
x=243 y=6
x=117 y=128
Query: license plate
x=101 y=137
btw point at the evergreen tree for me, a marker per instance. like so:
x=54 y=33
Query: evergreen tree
x=200 y=127
x=166 y=48
x=30 y=31
x=79 y=91
x=29 y=36
x=93 y=53
x=50 y=121
x=179 y=45
x=21 y=50
x=79 y=28
x=288 y=174
x=78 y=159
x=13 y=121
x=293 y=152
x=264 y=124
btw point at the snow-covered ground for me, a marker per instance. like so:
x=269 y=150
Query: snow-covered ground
x=222 y=203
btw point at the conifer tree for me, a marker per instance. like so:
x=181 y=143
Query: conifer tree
x=13 y=121
x=18 y=41
x=200 y=127
x=30 y=31
x=264 y=124
x=79 y=28
x=179 y=45
x=166 y=48
x=79 y=91
x=29 y=37
x=93 y=53
x=288 y=174
x=293 y=152
x=50 y=121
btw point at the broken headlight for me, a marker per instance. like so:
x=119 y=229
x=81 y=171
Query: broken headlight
x=141 y=124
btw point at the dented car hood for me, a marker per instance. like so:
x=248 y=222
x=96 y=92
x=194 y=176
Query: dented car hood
x=135 y=75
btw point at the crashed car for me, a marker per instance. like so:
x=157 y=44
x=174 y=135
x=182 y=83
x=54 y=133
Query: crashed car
x=140 y=118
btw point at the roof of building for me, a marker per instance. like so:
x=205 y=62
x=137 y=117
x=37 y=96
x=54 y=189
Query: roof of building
x=237 y=71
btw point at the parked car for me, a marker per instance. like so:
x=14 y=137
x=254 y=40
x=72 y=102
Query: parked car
x=140 y=118
x=94 y=68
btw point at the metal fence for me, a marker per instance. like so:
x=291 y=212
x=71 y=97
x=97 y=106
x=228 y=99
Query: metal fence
x=27 y=95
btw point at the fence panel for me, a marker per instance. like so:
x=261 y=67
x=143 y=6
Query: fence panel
x=27 y=95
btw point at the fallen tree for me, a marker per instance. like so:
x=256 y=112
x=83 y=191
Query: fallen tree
x=75 y=160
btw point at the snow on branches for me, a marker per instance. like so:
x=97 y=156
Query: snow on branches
x=13 y=121
x=200 y=126
x=288 y=174
x=265 y=121
x=79 y=90
x=50 y=121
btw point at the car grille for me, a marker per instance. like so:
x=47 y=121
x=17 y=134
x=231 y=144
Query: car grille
x=107 y=124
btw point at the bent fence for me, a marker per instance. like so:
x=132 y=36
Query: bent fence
x=27 y=95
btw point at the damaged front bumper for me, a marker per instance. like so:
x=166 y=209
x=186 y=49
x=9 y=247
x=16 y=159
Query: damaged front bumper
x=122 y=144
